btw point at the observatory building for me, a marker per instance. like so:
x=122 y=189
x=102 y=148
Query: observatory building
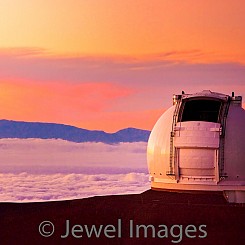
x=198 y=144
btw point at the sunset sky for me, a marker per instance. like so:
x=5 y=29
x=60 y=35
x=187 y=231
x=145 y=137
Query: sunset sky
x=108 y=64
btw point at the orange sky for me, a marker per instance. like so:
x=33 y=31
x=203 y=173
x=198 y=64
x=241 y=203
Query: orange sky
x=105 y=64
x=126 y=27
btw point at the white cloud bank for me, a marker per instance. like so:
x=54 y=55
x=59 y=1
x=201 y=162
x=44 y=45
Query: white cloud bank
x=25 y=187
x=42 y=170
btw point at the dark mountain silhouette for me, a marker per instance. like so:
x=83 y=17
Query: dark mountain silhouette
x=24 y=130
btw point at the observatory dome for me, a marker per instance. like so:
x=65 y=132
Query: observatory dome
x=198 y=144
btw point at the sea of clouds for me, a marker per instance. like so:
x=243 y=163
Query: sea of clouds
x=42 y=170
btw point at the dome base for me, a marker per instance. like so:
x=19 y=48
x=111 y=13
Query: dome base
x=235 y=196
x=232 y=193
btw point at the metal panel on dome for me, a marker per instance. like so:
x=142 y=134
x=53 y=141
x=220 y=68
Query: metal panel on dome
x=197 y=164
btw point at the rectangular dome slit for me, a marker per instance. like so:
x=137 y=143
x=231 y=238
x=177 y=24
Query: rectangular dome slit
x=201 y=110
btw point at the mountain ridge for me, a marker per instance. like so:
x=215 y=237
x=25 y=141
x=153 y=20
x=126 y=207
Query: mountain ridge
x=42 y=130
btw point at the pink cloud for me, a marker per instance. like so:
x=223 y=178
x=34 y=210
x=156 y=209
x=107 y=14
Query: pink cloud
x=27 y=100
x=85 y=90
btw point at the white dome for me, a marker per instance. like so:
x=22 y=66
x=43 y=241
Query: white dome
x=198 y=144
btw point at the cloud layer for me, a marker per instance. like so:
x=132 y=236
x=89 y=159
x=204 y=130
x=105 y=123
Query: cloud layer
x=26 y=187
x=41 y=170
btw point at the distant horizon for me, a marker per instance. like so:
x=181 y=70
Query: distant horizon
x=4 y=119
